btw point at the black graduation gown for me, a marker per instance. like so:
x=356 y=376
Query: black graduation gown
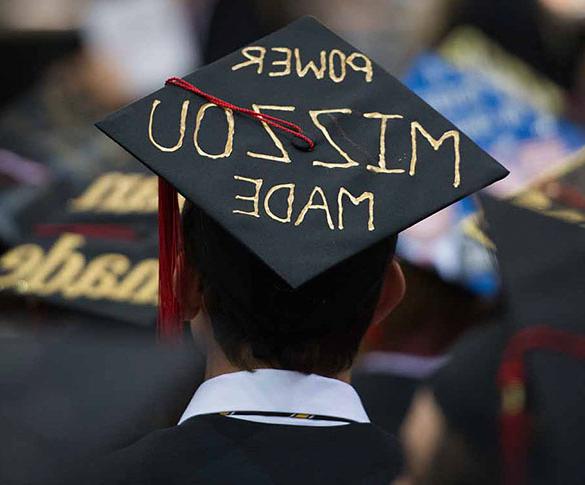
x=386 y=397
x=214 y=449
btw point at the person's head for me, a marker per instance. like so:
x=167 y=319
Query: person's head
x=450 y=434
x=258 y=320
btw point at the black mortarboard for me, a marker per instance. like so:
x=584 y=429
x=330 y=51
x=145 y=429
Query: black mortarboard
x=377 y=146
x=542 y=262
x=116 y=204
x=90 y=251
x=517 y=390
x=86 y=274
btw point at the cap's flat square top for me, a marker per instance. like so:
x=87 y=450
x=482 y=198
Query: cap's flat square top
x=383 y=161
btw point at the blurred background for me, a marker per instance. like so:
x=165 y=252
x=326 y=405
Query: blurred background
x=78 y=215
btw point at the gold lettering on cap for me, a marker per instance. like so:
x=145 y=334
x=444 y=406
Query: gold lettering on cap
x=436 y=144
x=182 y=127
x=257 y=59
x=100 y=278
x=63 y=271
x=287 y=62
x=311 y=205
x=18 y=263
x=284 y=158
x=123 y=187
x=140 y=286
x=96 y=193
x=290 y=199
x=302 y=71
x=381 y=167
x=254 y=198
x=229 y=143
x=333 y=63
x=119 y=193
x=366 y=68
x=314 y=114
x=60 y=267
x=144 y=197
x=343 y=71
x=369 y=196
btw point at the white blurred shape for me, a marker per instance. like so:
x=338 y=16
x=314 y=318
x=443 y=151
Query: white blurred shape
x=44 y=15
x=146 y=41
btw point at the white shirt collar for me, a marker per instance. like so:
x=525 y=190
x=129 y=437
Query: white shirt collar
x=277 y=390
x=402 y=365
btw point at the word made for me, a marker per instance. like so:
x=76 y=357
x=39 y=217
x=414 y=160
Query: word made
x=317 y=201
x=64 y=271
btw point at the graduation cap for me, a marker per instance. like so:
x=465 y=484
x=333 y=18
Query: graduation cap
x=302 y=148
x=559 y=193
x=86 y=273
x=116 y=204
x=90 y=251
x=515 y=391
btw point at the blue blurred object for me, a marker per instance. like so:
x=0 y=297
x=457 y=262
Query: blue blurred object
x=527 y=140
x=491 y=117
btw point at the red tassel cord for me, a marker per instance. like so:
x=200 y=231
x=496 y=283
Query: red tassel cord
x=171 y=250
x=515 y=423
x=278 y=123
x=171 y=262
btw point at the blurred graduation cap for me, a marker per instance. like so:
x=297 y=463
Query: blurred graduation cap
x=69 y=396
x=112 y=278
x=517 y=390
x=542 y=262
x=110 y=200
x=280 y=141
x=559 y=193
x=93 y=252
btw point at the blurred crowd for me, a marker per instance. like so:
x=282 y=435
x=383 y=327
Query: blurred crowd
x=510 y=73
x=78 y=214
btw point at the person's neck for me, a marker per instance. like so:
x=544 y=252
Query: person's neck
x=218 y=364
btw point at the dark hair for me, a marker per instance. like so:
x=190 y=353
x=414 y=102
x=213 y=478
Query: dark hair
x=256 y=316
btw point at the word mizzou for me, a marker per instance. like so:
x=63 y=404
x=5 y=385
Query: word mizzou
x=282 y=155
x=318 y=200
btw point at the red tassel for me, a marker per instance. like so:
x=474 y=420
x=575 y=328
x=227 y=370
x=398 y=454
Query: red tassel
x=171 y=261
x=278 y=123
x=515 y=422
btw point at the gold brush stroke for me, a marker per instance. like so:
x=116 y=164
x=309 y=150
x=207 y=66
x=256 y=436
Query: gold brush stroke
x=182 y=126
x=311 y=66
x=229 y=143
x=369 y=196
x=62 y=270
x=310 y=205
x=254 y=198
x=246 y=52
x=332 y=74
x=367 y=68
x=285 y=157
x=436 y=144
x=381 y=167
x=290 y=199
x=314 y=114
x=287 y=62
